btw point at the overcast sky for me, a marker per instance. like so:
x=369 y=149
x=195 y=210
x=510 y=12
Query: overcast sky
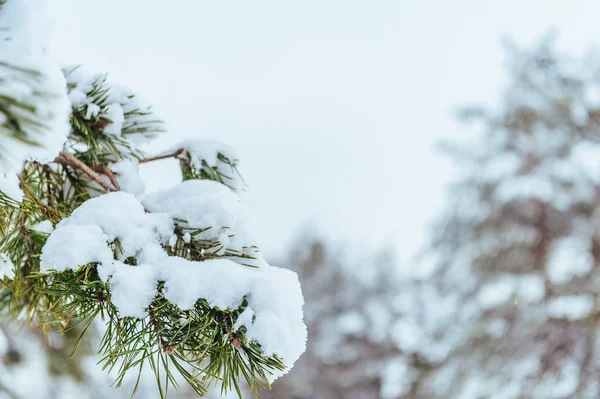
x=332 y=105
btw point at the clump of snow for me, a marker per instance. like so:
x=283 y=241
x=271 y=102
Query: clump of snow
x=351 y=322
x=561 y=383
x=133 y=288
x=380 y=319
x=92 y=110
x=201 y=203
x=9 y=185
x=499 y=167
x=572 y=307
x=77 y=97
x=114 y=113
x=569 y=257
x=588 y=156
x=525 y=187
x=209 y=277
x=579 y=113
x=72 y=246
x=206 y=204
x=83 y=237
x=496 y=328
x=273 y=317
x=207 y=151
x=276 y=299
x=6 y=267
x=44 y=226
x=126 y=117
x=591 y=95
x=559 y=182
x=32 y=88
x=244 y=319
x=212 y=154
x=128 y=176
x=408 y=334
x=531 y=288
x=497 y=292
x=528 y=288
x=121 y=216
x=397 y=376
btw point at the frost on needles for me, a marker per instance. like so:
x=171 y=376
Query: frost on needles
x=175 y=275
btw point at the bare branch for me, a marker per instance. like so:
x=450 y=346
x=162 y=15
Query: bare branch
x=174 y=154
x=64 y=158
x=105 y=170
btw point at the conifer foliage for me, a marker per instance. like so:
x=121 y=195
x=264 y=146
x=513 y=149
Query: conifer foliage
x=175 y=276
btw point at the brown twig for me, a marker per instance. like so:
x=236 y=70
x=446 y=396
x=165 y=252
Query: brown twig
x=174 y=154
x=108 y=173
x=64 y=158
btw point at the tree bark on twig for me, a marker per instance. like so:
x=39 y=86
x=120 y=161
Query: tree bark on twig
x=64 y=158
x=173 y=154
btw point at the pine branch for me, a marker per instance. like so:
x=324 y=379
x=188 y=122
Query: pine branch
x=201 y=343
x=67 y=159
x=173 y=154
x=108 y=173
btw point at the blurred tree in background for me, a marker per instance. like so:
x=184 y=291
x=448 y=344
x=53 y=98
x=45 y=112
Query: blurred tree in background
x=350 y=310
x=511 y=307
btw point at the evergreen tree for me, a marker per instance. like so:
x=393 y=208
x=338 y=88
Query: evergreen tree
x=356 y=316
x=174 y=278
x=511 y=308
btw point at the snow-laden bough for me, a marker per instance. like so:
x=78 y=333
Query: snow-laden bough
x=133 y=252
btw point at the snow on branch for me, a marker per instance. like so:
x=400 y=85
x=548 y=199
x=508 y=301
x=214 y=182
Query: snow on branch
x=176 y=276
x=34 y=109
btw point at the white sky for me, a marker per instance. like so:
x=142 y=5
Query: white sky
x=333 y=105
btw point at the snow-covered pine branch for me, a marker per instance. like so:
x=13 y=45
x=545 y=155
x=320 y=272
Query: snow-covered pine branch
x=175 y=275
x=34 y=109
